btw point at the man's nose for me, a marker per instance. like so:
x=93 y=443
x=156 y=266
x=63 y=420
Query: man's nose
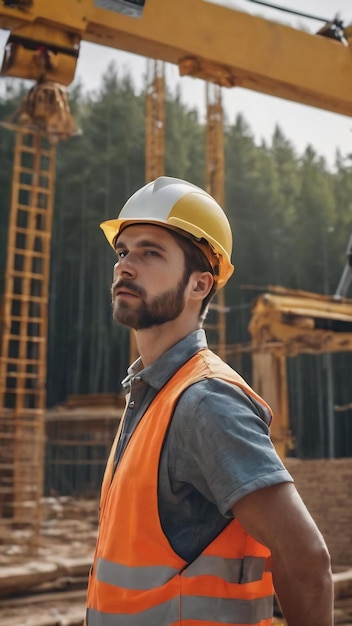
x=125 y=267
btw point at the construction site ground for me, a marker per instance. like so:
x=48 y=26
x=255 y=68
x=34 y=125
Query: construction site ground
x=46 y=586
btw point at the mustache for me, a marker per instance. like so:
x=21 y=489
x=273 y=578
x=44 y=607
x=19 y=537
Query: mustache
x=132 y=287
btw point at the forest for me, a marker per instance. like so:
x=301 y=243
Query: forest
x=290 y=213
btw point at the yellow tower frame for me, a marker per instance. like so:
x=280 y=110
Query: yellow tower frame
x=42 y=120
x=23 y=345
x=155 y=120
x=154 y=136
x=215 y=176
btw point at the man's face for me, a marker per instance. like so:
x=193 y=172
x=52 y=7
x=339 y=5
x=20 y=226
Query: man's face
x=149 y=281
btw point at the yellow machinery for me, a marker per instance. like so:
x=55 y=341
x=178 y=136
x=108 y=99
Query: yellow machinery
x=285 y=323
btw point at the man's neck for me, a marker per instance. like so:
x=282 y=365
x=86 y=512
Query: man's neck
x=153 y=342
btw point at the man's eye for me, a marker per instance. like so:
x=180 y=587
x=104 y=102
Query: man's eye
x=121 y=254
x=152 y=253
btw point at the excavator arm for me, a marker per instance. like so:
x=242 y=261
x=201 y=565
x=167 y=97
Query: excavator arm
x=205 y=40
x=346 y=276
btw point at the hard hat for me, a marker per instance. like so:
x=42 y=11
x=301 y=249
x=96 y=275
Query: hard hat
x=181 y=206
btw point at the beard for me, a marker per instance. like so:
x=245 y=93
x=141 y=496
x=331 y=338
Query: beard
x=163 y=308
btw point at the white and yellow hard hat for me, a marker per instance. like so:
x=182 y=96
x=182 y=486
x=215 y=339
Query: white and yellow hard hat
x=181 y=206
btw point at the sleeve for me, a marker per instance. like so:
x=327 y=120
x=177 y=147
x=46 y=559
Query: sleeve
x=221 y=445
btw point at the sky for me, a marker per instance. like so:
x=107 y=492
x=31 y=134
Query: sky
x=302 y=125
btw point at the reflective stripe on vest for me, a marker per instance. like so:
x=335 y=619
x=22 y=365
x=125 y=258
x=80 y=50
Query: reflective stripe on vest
x=200 y=608
x=139 y=578
x=247 y=570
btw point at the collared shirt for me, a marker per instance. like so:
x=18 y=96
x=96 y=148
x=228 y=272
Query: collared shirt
x=217 y=449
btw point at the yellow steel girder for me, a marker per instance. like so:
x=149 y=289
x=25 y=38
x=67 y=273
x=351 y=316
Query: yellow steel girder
x=207 y=40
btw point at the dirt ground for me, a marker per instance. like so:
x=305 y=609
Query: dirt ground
x=48 y=586
x=69 y=528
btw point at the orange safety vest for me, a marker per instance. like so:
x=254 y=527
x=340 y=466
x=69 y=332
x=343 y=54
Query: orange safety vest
x=137 y=579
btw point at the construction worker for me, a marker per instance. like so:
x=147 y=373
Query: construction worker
x=198 y=517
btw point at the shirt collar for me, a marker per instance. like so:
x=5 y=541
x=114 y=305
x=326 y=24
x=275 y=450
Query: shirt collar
x=160 y=371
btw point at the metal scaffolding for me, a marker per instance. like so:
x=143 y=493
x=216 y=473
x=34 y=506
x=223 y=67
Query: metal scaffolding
x=23 y=346
x=42 y=120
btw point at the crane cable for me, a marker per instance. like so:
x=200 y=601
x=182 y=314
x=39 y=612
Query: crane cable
x=334 y=29
x=274 y=6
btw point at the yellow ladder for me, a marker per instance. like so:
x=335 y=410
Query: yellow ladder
x=24 y=332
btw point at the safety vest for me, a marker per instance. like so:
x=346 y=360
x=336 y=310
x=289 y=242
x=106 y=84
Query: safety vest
x=137 y=579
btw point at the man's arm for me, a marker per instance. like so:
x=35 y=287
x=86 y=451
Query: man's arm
x=277 y=518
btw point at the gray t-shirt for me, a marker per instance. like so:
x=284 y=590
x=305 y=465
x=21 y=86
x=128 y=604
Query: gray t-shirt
x=217 y=448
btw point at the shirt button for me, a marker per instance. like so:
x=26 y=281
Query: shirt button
x=131 y=404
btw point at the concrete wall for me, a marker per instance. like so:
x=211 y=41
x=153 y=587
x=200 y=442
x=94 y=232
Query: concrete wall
x=326 y=488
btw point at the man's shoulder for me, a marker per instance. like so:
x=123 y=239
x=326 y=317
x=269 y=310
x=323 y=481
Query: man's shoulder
x=215 y=396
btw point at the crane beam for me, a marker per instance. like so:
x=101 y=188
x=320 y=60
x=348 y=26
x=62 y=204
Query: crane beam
x=206 y=40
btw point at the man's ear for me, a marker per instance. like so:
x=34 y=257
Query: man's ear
x=202 y=284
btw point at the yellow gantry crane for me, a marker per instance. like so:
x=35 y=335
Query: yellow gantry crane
x=204 y=39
